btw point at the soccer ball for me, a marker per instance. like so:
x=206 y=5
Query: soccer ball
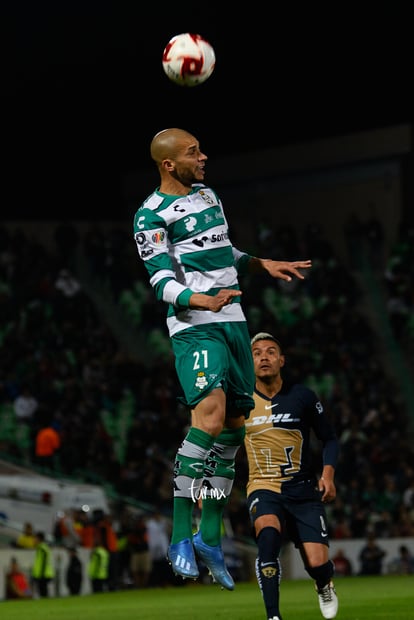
x=188 y=59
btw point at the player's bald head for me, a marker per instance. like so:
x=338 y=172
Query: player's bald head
x=167 y=143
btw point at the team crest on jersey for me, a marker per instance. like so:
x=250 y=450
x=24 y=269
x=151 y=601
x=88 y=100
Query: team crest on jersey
x=201 y=381
x=158 y=237
x=206 y=197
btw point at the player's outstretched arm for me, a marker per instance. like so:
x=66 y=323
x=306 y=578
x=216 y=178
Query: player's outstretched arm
x=280 y=268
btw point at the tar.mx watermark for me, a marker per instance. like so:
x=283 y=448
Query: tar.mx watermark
x=203 y=492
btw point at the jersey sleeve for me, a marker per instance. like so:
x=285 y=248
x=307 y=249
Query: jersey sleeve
x=323 y=430
x=241 y=261
x=151 y=238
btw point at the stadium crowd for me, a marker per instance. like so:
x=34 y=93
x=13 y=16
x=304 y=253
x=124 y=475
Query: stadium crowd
x=399 y=286
x=119 y=418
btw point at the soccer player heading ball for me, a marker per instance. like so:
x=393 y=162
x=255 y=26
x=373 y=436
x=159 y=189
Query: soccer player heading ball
x=183 y=238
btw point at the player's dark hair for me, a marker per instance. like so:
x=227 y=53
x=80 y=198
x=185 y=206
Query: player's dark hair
x=265 y=336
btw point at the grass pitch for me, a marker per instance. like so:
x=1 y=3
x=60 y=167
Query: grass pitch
x=360 y=598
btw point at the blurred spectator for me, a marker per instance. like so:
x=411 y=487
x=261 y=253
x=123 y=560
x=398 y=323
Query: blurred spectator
x=17 y=584
x=404 y=523
x=98 y=565
x=399 y=283
x=124 y=519
x=403 y=564
x=341 y=528
x=140 y=562
x=371 y=557
x=105 y=533
x=389 y=497
x=86 y=529
x=42 y=570
x=27 y=539
x=74 y=572
x=66 y=530
x=158 y=539
x=47 y=445
x=67 y=284
x=408 y=494
x=25 y=405
x=343 y=566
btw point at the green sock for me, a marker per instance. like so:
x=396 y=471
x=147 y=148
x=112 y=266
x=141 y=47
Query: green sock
x=211 y=524
x=188 y=476
x=182 y=520
x=219 y=473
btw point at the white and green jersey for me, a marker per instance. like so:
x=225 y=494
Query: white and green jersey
x=184 y=243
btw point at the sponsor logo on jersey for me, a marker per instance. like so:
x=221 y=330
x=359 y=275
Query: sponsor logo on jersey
x=273 y=418
x=200 y=242
x=221 y=237
x=215 y=238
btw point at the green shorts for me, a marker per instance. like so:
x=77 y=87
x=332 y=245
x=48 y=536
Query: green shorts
x=212 y=356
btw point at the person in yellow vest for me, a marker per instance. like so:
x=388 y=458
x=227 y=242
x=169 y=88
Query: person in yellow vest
x=98 y=566
x=27 y=538
x=42 y=570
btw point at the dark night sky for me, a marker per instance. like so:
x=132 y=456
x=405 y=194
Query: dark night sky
x=84 y=88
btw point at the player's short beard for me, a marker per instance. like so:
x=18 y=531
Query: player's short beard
x=186 y=178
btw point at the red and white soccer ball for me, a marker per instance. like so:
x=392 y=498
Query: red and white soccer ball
x=188 y=59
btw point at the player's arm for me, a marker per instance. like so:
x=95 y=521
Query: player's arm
x=214 y=303
x=245 y=263
x=279 y=268
x=330 y=450
x=151 y=237
x=325 y=432
x=152 y=243
x=326 y=484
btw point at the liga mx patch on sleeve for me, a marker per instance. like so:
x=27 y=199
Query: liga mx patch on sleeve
x=158 y=237
x=150 y=242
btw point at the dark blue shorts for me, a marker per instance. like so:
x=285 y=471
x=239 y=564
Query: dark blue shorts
x=302 y=519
